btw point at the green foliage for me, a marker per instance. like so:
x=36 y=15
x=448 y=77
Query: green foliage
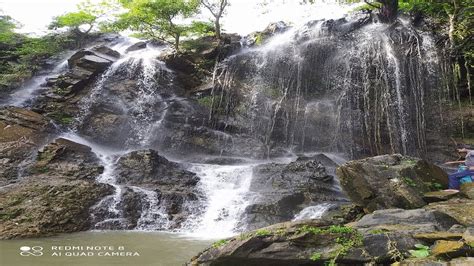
x=315 y=256
x=21 y=55
x=409 y=181
x=158 y=19
x=263 y=232
x=421 y=251
x=73 y=20
x=377 y=231
x=347 y=238
x=220 y=243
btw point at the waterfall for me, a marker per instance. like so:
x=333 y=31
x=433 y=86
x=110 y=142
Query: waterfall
x=372 y=78
x=227 y=195
x=342 y=89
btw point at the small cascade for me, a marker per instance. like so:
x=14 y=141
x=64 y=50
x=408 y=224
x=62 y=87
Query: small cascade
x=26 y=94
x=153 y=215
x=313 y=212
x=108 y=206
x=227 y=195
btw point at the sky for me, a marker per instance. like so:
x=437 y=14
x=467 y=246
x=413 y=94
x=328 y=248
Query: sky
x=243 y=16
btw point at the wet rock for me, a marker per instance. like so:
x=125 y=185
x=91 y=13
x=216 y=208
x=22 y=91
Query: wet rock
x=389 y=181
x=174 y=186
x=106 y=127
x=460 y=209
x=42 y=206
x=21 y=133
x=104 y=50
x=441 y=195
x=467 y=189
x=418 y=220
x=68 y=159
x=93 y=61
x=136 y=46
x=284 y=190
x=56 y=196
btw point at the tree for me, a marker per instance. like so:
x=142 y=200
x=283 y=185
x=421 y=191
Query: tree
x=74 y=21
x=217 y=8
x=158 y=19
x=85 y=19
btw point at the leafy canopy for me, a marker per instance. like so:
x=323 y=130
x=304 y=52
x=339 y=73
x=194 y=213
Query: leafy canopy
x=160 y=19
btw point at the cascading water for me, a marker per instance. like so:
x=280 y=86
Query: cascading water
x=227 y=195
x=28 y=91
x=352 y=88
x=373 y=79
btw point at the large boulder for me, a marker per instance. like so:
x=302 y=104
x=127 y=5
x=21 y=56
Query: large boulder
x=22 y=132
x=390 y=181
x=173 y=187
x=381 y=238
x=56 y=195
x=96 y=60
x=283 y=190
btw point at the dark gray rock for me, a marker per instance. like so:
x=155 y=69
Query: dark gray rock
x=136 y=46
x=284 y=190
x=418 y=220
x=175 y=187
x=389 y=181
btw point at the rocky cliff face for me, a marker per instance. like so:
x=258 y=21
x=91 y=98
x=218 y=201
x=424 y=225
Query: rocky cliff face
x=55 y=193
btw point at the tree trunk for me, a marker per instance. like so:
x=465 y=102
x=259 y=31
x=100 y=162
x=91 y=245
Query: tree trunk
x=388 y=11
x=217 y=25
x=176 y=42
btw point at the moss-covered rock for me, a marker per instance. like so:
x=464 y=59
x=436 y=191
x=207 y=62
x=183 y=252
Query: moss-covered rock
x=389 y=181
x=449 y=249
x=460 y=209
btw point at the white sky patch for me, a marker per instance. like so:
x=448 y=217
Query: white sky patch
x=242 y=17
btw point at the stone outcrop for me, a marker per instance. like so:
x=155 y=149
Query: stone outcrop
x=60 y=100
x=283 y=190
x=22 y=132
x=381 y=238
x=390 y=181
x=56 y=194
x=175 y=187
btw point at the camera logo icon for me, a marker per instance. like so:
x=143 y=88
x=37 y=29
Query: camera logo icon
x=31 y=251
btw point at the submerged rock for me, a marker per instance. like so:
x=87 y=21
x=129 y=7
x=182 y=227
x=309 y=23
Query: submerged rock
x=389 y=181
x=56 y=195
